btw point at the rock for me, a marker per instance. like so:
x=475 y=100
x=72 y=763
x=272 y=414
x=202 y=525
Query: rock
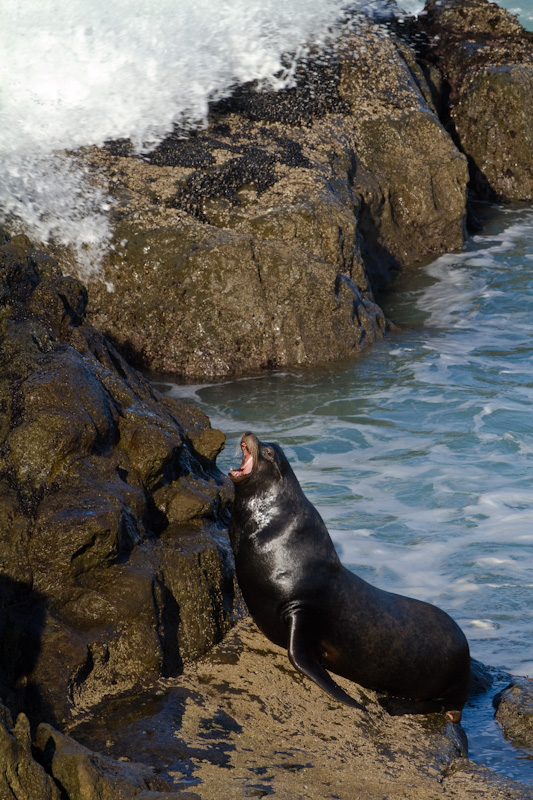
x=112 y=510
x=486 y=60
x=514 y=712
x=411 y=178
x=21 y=777
x=241 y=722
x=86 y=775
x=481 y=678
x=259 y=242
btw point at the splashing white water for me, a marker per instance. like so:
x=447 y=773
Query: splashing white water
x=79 y=73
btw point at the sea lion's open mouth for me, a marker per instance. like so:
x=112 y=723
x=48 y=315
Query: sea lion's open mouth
x=248 y=441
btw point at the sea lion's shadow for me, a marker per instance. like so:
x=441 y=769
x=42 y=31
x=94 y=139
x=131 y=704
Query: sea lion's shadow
x=399 y=706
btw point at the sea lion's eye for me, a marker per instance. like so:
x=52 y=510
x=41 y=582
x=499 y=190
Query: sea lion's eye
x=269 y=453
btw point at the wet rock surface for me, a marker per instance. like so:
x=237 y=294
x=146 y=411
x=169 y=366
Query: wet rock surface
x=514 y=712
x=260 y=241
x=485 y=58
x=116 y=574
x=21 y=776
x=242 y=722
x=115 y=567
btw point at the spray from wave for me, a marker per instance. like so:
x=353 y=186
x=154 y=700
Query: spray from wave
x=81 y=73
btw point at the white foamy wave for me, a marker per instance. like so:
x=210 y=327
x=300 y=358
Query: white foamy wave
x=484 y=624
x=79 y=73
x=51 y=196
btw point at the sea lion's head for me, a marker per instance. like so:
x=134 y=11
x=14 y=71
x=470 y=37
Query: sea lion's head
x=261 y=462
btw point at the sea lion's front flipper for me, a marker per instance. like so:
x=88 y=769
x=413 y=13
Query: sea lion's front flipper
x=303 y=658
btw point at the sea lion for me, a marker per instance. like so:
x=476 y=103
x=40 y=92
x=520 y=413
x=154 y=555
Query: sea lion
x=303 y=599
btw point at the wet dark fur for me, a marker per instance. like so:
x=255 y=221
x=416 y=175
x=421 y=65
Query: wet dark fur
x=303 y=599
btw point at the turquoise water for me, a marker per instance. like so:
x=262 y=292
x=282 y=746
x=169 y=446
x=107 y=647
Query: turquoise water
x=419 y=454
x=523 y=9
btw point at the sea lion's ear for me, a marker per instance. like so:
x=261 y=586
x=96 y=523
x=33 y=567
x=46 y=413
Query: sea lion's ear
x=268 y=452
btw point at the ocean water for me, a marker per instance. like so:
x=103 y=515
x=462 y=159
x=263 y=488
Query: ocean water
x=76 y=74
x=419 y=454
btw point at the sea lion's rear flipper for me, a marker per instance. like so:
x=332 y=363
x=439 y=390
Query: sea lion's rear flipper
x=303 y=658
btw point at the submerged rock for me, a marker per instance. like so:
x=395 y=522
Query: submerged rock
x=114 y=565
x=260 y=241
x=486 y=60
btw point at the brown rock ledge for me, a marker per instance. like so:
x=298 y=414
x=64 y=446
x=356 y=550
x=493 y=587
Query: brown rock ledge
x=245 y=724
x=486 y=60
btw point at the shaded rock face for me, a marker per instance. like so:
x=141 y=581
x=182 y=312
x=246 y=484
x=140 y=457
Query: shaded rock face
x=86 y=775
x=486 y=60
x=114 y=561
x=21 y=777
x=514 y=712
x=259 y=242
x=56 y=767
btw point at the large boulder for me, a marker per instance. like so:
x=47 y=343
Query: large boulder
x=486 y=60
x=115 y=564
x=259 y=242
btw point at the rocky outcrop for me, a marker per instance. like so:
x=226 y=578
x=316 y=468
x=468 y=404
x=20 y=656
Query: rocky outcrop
x=259 y=242
x=83 y=774
x=56 y=767
x=244 y=723
x=514 y=712
x=114 y=564
x=21 y=777
x=486 y=60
